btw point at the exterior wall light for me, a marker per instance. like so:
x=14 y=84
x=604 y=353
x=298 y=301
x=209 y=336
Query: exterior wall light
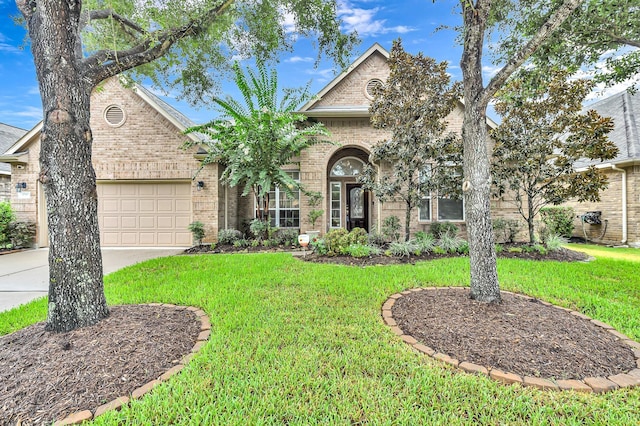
x=200 y=185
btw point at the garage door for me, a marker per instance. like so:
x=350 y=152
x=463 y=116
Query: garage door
x=144 y=214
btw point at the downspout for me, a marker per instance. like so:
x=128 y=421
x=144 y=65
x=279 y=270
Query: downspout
x=226 y=206
x=624 y=202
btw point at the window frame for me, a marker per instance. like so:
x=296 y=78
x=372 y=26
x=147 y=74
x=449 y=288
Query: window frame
x=274 y=197
x=427 y=197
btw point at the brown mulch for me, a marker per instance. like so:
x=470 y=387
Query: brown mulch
x=46 y=376
x=561 y=255
x=519 y=335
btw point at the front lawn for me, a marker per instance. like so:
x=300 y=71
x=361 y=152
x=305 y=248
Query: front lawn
x=300 y=343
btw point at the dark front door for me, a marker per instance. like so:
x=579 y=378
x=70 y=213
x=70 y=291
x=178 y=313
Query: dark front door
x=357 y=207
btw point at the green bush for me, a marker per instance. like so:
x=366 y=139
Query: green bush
x=319 y=246
x=376 y=238
x=197 y=230
x=286 y=237
x=228 y=236
x=391 y=228
x=241 y=243
x=451 y=243
x=21 y=234
x=506 y=230
x=424 y=242
x=337 y=240
x=333 y=240
x=6 y=217
x=554 y=242
x=402 y=248
x=438 y=229
x=259 y=229
x=558 y=220
x=361 y=250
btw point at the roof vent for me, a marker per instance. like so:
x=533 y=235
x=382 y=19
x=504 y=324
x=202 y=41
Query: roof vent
x=371 y=86
x=114 y=115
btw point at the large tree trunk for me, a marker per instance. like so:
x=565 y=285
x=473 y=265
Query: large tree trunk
x=477 y=177
x=76 y=293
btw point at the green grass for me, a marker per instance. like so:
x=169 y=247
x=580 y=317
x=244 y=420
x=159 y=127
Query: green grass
x=303 y=343
x=622 y=253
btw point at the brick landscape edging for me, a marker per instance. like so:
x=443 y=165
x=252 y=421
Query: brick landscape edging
x=587 y=384
x=116 y=404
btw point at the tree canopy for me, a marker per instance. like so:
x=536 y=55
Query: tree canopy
x=543 y=133
x=258 y=135
x=413 y=105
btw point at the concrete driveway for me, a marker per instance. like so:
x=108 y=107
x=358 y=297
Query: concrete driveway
x=24 y=276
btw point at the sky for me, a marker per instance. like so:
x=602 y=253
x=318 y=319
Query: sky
x=416 y=22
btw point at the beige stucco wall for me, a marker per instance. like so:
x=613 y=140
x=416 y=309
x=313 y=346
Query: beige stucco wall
x=145 y=148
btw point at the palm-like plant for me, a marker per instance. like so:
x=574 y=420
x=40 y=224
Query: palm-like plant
x=257 y=135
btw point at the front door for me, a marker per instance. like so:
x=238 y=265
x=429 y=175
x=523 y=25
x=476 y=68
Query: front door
x=357 y=207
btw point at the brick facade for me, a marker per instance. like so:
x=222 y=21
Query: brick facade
x=611 y=229
x=145 y=148
x=5 y=188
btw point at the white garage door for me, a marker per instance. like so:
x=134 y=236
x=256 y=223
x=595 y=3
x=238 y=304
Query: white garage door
x=144 y=214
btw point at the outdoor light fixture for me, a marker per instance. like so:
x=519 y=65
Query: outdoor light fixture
x=20 y=186
x=200 y=185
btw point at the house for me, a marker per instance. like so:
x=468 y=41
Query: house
x=619 y=209
x=8 y=135
x=149 y=189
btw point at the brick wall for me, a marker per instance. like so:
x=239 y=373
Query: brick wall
x=5 y=188
x=146 y=147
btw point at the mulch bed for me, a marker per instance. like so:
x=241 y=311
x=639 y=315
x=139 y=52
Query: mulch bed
x=561 y=255
x=519 y=335
x=46 y=376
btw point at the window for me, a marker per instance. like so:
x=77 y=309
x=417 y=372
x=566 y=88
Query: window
x=284 y=211
x=336 y=211
x=424 y=208
x=450 y=209
x=348 y=166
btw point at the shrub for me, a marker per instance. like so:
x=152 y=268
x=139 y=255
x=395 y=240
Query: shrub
x=319 y=246
x=391 y=228
x=554 y=242
x=559 y=220
x=286 y=237
x=337 y=240
x=499 y=248
x=197 y=230
x=376 y=238
x=401 y=248
x=333 y=240
x=241 y=243
x=21 y=234
x=259 y=229
x=314 y=201
x=506 y=230
x=228 y=236
x=361 y=250
x=424 y=242
x=438 y=229
x=6 y=217
x=451 y=243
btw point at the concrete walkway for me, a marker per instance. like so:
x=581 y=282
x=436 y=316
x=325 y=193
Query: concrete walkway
x=24 y=276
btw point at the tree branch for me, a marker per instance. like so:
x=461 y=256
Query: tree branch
x=108 y=63
x=552 y=23
x=125 y=23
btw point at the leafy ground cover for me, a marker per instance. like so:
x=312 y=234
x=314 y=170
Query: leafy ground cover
x=301 y=343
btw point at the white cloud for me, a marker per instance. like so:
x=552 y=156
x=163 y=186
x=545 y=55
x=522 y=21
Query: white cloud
x=296 y=59
x=25 y=112
x=364 y=23
x=490 y=70
x=33 y=90
x=322 y=76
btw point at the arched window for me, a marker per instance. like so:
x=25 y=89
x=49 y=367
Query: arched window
x=348 y=166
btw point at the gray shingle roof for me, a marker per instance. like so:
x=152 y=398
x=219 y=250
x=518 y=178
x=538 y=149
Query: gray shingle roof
x=8 y=136
x=623 y=108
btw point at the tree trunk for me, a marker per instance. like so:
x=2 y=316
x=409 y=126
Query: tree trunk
x=532 y=236
x=76 y=293
x=407 y=223
x=477 y=178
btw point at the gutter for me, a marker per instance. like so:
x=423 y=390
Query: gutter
x=624 y=201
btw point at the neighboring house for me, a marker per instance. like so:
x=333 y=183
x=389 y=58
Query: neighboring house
x=8 y=136
x=147 y=194
x=620 y=205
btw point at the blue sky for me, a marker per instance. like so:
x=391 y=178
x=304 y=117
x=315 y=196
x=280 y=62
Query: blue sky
x=415 y=21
